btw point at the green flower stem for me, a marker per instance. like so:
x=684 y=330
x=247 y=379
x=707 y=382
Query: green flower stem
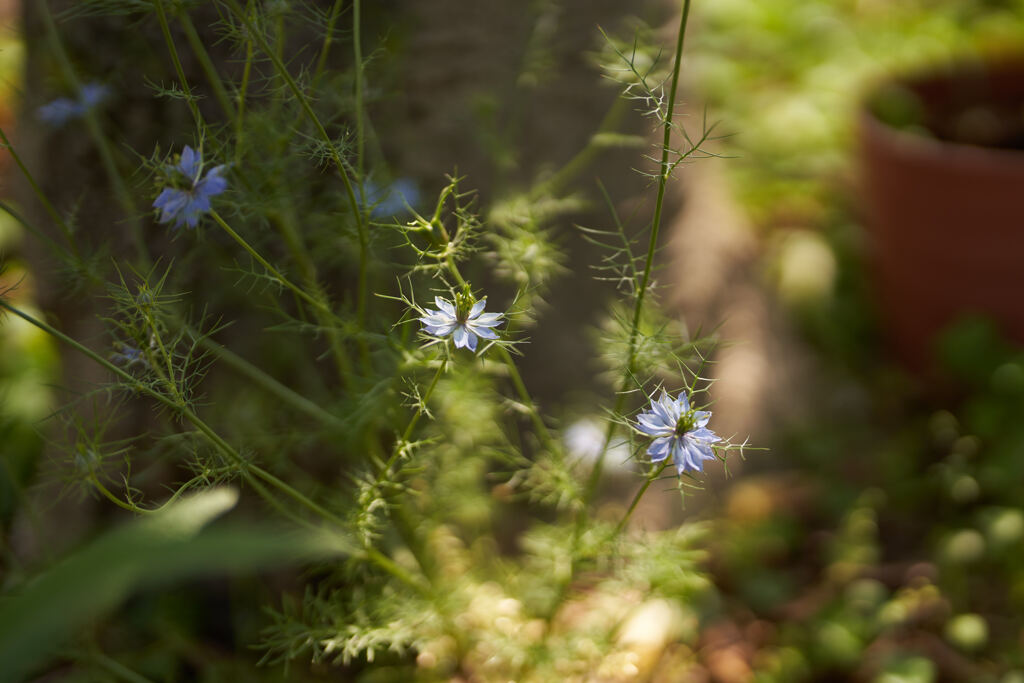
x=106 y=153
x=396 y=453
x=40 y=195
x=178 y=493
x=285 y=222
x=274 y=272
x=357 y=210
x=332 y=20
x=611 y=121
x=240 y=96
x=620 y=402
x=388 y=565
x=595 y=475
x=414 y=420
x=653 y=475
x=371 y=554
x=172 y=386
x=357 y=57
x=165 y=28
x=249 y=472
x=196 y=43
x=118 y=670
x=543 y=433
x=399 y=516
x=261 y=379
x=94 y=480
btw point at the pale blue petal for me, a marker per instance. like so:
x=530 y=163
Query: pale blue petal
x=703 y=434
x=488 y=320
x=697 y=453
x=651 y=424
x=92 y=94
x=189 y=215
x=200 y=205
x=659 y=448
x=477 y=309
x=172 y=203
x=189 y=163
x=680 y=456
x=445 y=306
x=664 y=407
x=461 y=337
x=701 y=417
x=472 y=339
x=59 y=112
x=213 y=184
x=436 y=318
x=439 y=330
x=481 y=331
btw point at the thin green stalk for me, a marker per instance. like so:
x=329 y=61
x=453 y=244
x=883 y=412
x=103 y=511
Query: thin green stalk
x=194 y=41
x=249 y=471
x=396 y=453
x=357 y=57
x=168 y=380
x=651 y=477
x=94 y=480
x=332 y=19
x=372 y=554
x=414 y=420
x=40 y=195
x=165 y=28
x=261 y=379
x=243 y=90
x=612 y=119
x=357 y=211
x=285 y=223
x=388 y=565
x=543 y=433
x=116 y=668
x=595 y=475
x=274 y=272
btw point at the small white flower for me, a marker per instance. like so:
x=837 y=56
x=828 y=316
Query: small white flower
x=464 y=320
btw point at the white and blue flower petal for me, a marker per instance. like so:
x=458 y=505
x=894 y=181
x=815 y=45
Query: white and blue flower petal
x=487 y=319
x=704 y=434
x=445 y=306
x=477 y=309
x=660 y=448
x=653 y=425
x=461 y=337
x=439 y=330
x=484 y=332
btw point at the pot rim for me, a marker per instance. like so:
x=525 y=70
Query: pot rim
x=907 y=143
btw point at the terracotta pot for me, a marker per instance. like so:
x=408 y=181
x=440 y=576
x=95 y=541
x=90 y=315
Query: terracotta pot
x=946 y=218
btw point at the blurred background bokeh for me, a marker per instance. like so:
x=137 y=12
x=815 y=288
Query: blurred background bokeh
x=880 y=537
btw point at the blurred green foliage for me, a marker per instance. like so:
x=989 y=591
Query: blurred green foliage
x=889 y=546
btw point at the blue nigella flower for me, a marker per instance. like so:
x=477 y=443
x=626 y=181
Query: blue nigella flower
x=465 y=320
x=186 y=206
x=392 y=200
x=64 y=109
x=92 y=94
x=129 y=356
x=678 y=431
